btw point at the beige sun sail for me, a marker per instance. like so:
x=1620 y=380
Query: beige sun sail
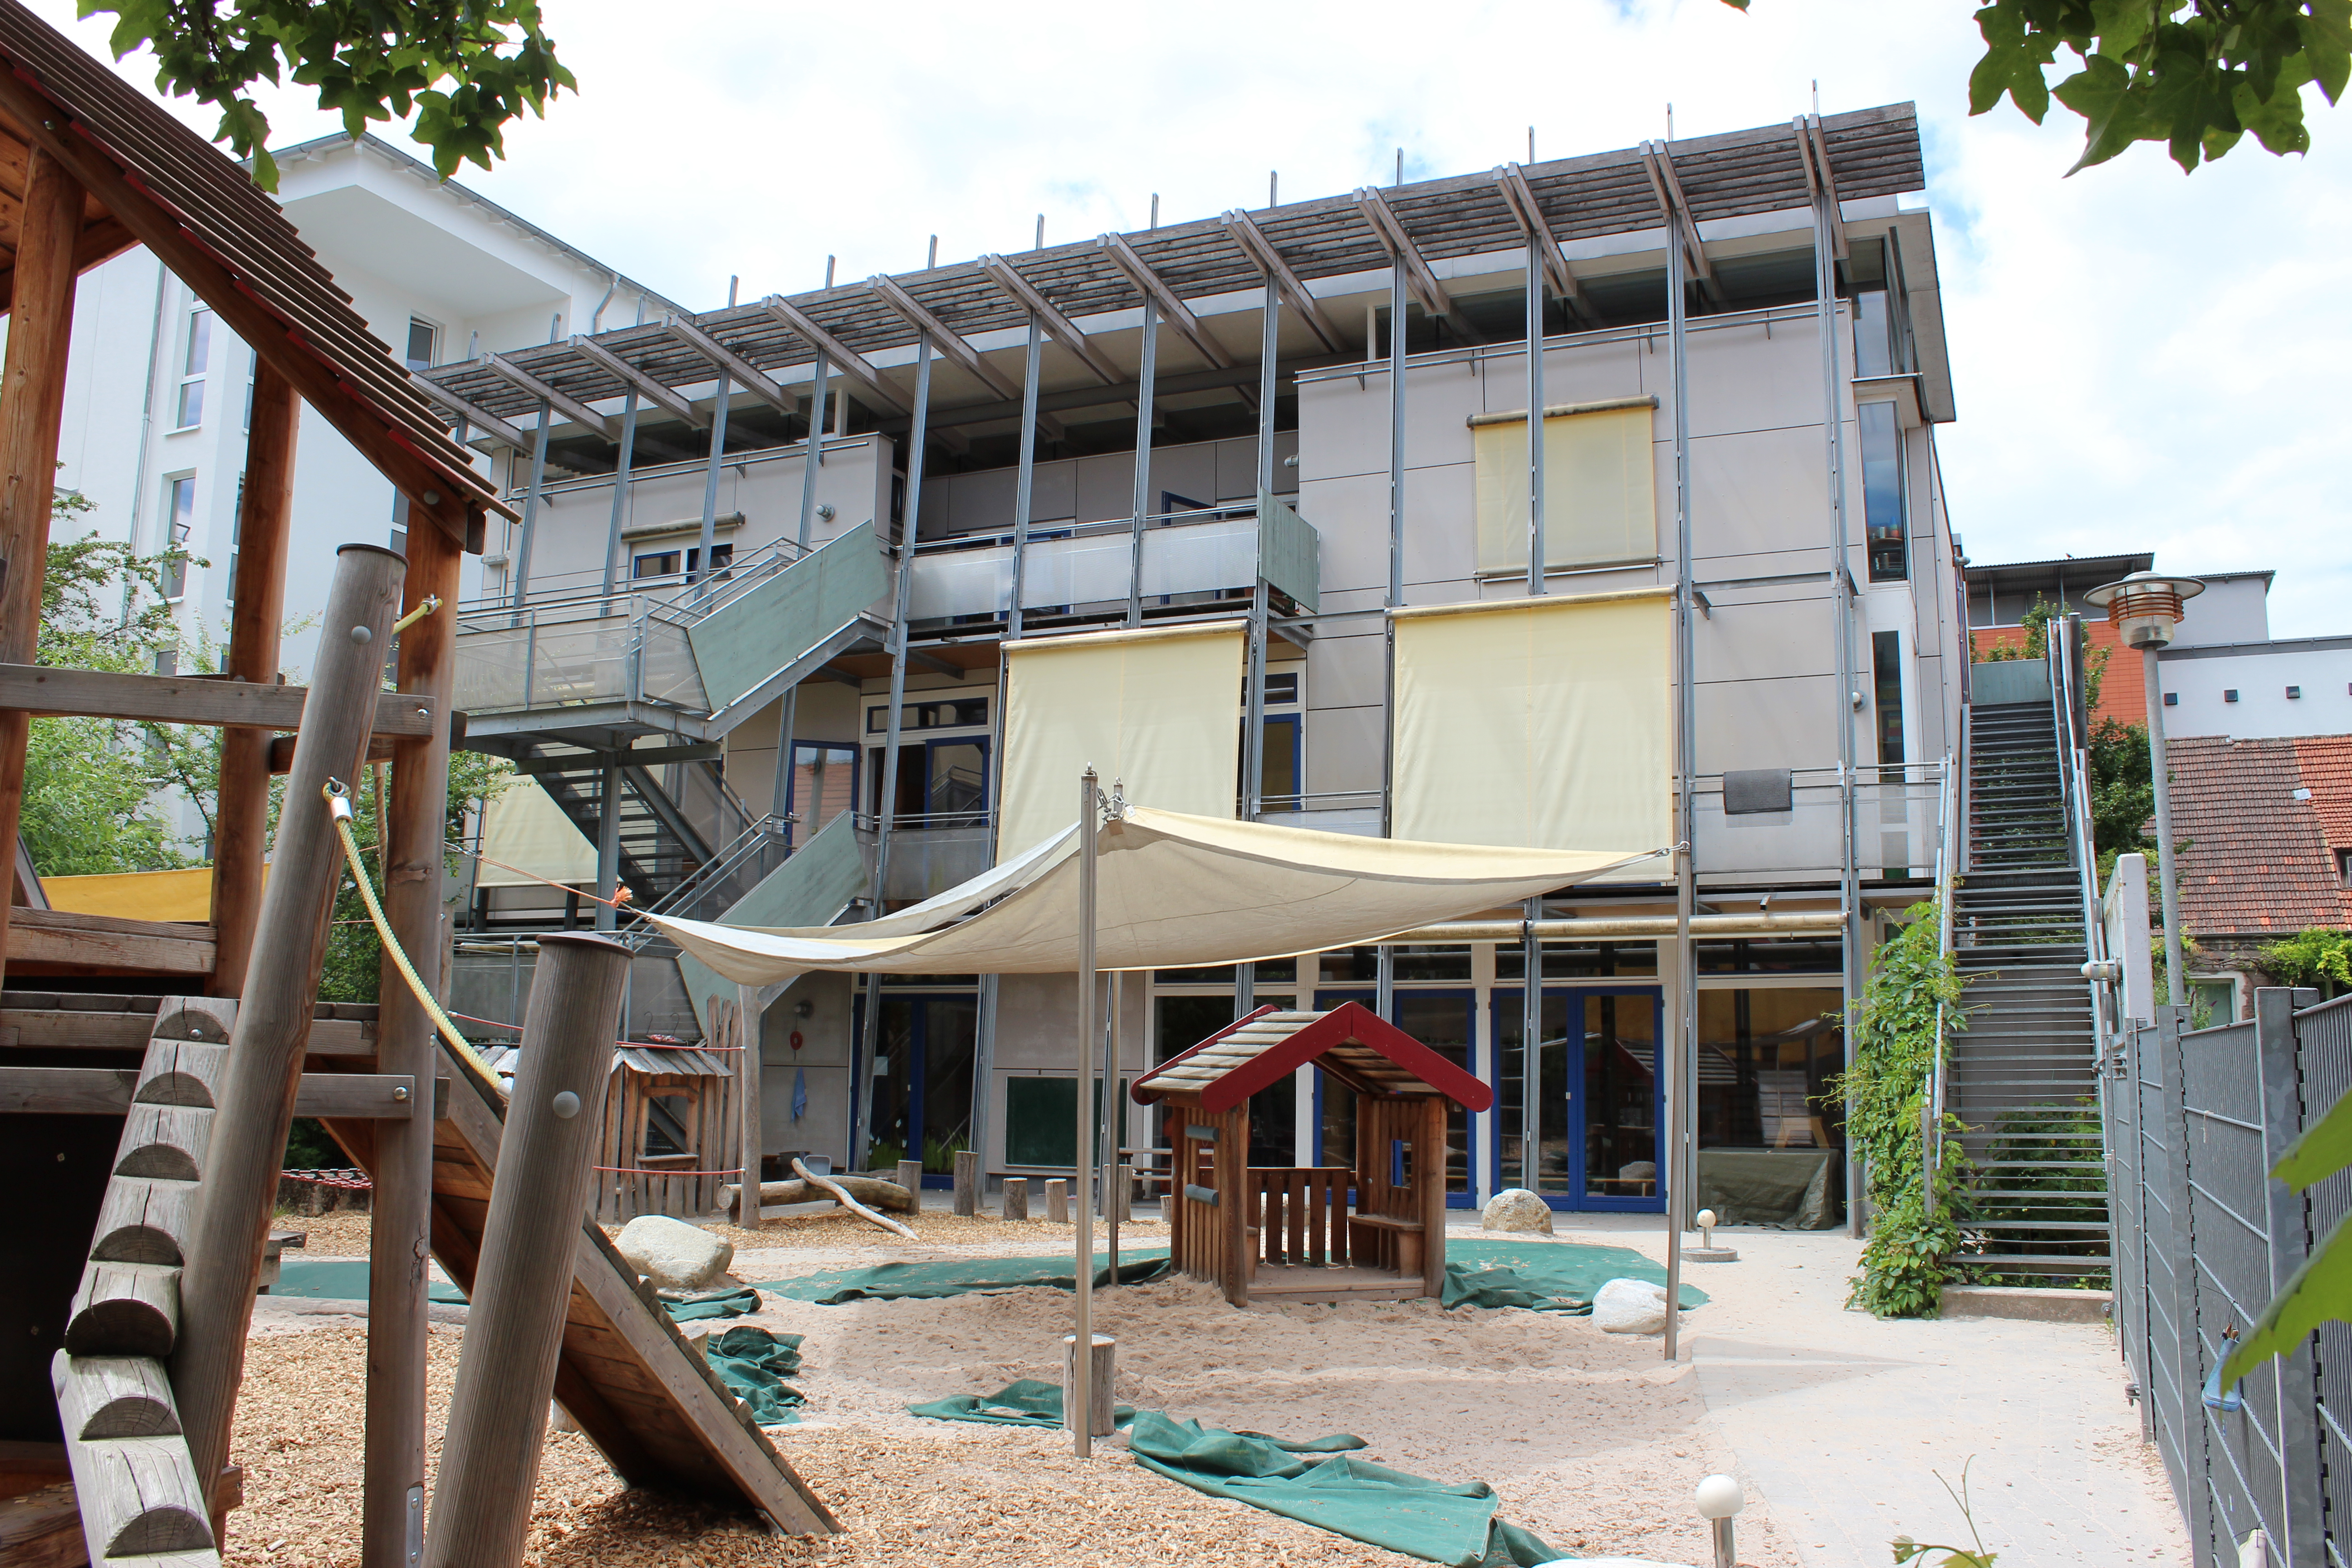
x=1174 y=891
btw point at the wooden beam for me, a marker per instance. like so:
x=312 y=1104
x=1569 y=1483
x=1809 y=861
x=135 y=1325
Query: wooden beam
x=187 y=699
x=32 y=401
x=104 y=941
x=106 y=1091
x=102 y=239
x=1511 y=181
x=947 y=341
x=241 y=821
x=428 y=489
x=563 y=403
x=740 y=371
x=1060 y=328
x=1667 y=186
x=1173 y=310
x=1244 y=231
x=62 y=1028
x=471 y=413
x=846 y=362
x=281 y=751
x=648 y=387
x=1390 y=230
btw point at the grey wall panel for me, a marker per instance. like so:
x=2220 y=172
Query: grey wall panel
x=1188 y=471
x=1751 y=640
x=1439 y=401
x=1440 y=510
x=1782 y=723
x=1105 y=486
x=1764 y=490
x=1338 y=433
x=1749 y=377
x=1348 y=671
x=1343 y=748
x=1350 y=517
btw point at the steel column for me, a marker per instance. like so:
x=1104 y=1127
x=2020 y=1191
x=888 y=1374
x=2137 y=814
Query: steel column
x=1141 y=504
x=519 y=580
x=1678 y=1166
x=629 y=449
x=1396 y=598
x=1079 y=1407
x=1022 y=487
x=2168 y=880
x=608 y=845
x=1536 y=562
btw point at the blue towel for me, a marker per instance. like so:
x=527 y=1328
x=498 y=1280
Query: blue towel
x=800 y=1093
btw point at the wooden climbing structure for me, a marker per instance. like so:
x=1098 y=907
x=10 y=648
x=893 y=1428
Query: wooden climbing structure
x=1374 y=1228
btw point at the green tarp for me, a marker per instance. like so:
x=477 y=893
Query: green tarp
x=1025 y=1401
x=931 y=1281
x=753 y=1364
x=1779 y=1189
x=342 y=1279
x=693 y=1306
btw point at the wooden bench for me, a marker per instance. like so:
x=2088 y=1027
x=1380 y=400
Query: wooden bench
x=1407 y=1233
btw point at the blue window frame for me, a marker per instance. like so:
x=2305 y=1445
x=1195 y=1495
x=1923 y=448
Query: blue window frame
x=1599 y=1101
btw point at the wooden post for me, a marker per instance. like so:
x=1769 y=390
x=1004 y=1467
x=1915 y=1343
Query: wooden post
x=241 y=820
x=1429 y=1174
x=273 y=1017
x=1057 y=1201
x=752 y=1139
x=514 y=1330
x=910 y=1177
x=1233 y=1202
x=1016 y=1197
x=967 y=1183
x=32 y=401
x=400 y=1236
x=1100 y=1365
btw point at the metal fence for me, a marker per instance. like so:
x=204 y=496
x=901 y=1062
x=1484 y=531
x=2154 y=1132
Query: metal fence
x=2203 y=1238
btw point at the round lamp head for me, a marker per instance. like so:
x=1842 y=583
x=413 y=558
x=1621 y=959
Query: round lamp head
x=1707 y=1219
x=1719 y=1497
x=2146 y=609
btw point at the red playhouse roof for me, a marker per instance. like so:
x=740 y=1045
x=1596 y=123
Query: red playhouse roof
x=1350 y=1042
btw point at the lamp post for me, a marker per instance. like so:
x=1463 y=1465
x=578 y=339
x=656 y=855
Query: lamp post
x=2146 y=610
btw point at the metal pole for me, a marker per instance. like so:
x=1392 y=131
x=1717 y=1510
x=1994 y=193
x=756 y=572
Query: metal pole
x=1141 y=504
x=1077 y=1413
x=2177 y=979
x=1112 y=1105
x=1674 y=1165
x=1022 y=487
x=710 y=470
x=620 y=499
x=812 y=456
x=1396 y=548
x=521 y=580
x=608 y=845
x=1536 y=562
x=1530 y=1044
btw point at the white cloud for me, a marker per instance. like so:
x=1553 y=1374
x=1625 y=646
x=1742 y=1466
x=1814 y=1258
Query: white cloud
x=2141 y=360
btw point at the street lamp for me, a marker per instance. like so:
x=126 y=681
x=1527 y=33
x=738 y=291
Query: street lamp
x=2146 y=610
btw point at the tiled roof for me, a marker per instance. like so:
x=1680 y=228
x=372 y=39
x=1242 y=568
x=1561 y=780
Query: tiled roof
x=2259 y=861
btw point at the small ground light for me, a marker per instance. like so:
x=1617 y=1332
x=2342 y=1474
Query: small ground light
x=1719 y=1497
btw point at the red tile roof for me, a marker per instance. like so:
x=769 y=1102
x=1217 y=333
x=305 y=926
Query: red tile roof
x=2258 y=860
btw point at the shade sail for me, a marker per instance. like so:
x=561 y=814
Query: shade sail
x=1173 y=891
x=528 y=831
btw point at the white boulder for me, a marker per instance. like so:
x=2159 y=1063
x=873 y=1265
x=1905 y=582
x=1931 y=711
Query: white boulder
x=674 y=1255
x=1515 y=1208
x=1630 y=1307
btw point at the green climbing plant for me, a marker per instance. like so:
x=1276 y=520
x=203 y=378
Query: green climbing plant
x=2318 y=957
x=1914 y=1234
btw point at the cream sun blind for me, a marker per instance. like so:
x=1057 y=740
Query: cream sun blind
x=1601 y=486
x=523 y=827
x=1538 y=722
x=1159 y=710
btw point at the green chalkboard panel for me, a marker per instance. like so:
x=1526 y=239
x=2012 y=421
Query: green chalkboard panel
x=1040 y=1114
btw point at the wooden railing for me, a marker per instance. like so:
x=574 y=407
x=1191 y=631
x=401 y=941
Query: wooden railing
x=1300 y=1212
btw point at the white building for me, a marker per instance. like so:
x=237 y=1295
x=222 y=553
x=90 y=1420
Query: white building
x=2258 y=691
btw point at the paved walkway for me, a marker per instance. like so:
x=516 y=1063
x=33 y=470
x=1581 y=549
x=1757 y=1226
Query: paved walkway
x=1839 y=1419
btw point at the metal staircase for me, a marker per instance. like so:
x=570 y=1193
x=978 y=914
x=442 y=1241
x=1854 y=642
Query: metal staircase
x=2023 y=1074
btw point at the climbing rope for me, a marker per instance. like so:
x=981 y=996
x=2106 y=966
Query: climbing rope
x=339 y=806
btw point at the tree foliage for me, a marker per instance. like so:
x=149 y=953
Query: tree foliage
x=464 y=67
x=353 y=963
x=1895 y=1048
x=2197 y=75
x=2318 y=958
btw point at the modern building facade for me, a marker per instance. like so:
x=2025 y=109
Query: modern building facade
x=858 y=523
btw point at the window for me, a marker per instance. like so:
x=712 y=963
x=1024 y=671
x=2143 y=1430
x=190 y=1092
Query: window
x=191 y=403
x=1887 y=670
x=2172 y=700
x=252 y=372
x=1882 y=492
x=424 y=338
x=664 y=562
x=2292 y=692
x=1600 y=499
x=667 y=1120
x=236 y=538
x=824 y=777
x=955 y=713
x=167 y=661
x=178 y=523
x=2344 y=866
x=2231 y=695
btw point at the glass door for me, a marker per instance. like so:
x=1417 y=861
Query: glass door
x=1599 y=1099
x=922 y=1081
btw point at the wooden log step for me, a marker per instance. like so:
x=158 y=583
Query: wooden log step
x=164 y=1142
x=144 y=1221
x=138 y=1496
x=181 y=1072
x=117 y=1396
x=125 y=1308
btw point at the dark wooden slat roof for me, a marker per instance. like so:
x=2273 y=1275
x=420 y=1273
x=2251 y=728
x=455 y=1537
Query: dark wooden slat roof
x=86 y=108
x=1873 y=152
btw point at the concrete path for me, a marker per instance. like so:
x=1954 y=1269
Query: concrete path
x=1840 y=1422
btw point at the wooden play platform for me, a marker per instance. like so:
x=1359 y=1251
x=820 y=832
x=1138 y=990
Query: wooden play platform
x=1372 y=1230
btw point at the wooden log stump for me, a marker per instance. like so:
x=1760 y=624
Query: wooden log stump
x=138 y=1494
x=1016 y=1197
x=967 y=1183
x=1103 y=1364
x=874 y=1192
x=1057 y=1201
x=1122 y=1198
x=910 y=1174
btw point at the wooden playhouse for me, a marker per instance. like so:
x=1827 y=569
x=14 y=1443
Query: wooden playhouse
x=1373 y=1229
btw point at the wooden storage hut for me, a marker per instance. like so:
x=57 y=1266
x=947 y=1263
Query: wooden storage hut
x=1374 y=1229
x=670 y=1132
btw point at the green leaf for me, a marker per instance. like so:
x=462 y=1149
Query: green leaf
x=2121 y=24
x=2320 y=1291
x=2323 y=1149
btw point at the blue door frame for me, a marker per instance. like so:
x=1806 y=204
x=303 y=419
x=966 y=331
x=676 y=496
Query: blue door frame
x=917 y=1066
x=1468 y=998
x=1506 y=1004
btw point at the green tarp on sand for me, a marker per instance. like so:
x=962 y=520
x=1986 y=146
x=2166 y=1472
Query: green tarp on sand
x=930 y=1281
x=753 y=1364
x=1025 y=1402
x=342 y=1279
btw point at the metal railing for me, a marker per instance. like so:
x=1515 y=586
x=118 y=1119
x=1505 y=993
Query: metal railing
x=2203 y=1239
x=1948 y=855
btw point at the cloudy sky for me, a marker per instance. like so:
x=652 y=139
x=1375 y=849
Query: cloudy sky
x=2143 y=360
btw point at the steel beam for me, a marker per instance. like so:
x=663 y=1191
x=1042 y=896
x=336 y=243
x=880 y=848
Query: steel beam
x=738 y=369
x=648 y=387
x=471 y=413
x=1172 y=310
x=1060 y=328
x=851 y=364
x=1252 y=242
x=1391 y=232
x=1520 y=198
x=563 y=403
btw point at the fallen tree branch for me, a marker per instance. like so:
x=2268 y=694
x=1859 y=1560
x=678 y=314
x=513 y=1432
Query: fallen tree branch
x=874 y=1192
x=852 y=1204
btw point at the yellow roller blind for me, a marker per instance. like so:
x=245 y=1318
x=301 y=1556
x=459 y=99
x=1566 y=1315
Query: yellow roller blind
x=1538 y=722
x=1160 y=710
x=1601 y=488
x=523 y=827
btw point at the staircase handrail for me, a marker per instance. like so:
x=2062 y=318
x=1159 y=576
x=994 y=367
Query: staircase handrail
x=729 y=858
x=2063 y=651
x=1931 y=1130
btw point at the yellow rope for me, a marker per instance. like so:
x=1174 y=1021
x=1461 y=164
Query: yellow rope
x=339 y=806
